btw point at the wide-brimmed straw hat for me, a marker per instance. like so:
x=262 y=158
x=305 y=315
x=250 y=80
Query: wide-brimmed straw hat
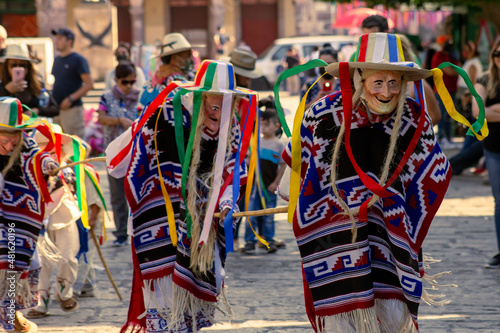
x=16 y=51
x=243 y=62
x=382 y=51
x=12 y=117
x=174 y=43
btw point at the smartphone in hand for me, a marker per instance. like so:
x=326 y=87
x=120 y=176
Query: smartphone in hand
x=18 y=74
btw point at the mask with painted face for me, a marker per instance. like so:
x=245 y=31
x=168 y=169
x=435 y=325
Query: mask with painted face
x=382 y=90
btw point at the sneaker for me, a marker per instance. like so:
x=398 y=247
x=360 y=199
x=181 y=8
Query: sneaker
x=249 y=248
x=494 y=262
x=272 y=247
x=120 y=242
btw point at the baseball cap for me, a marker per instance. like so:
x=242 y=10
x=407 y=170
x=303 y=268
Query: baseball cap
x=66 y=32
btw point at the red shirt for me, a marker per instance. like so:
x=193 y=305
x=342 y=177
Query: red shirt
x=450 y=82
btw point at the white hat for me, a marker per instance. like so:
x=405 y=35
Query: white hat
x=3 y=32
x=16 y=51
x=174 y=43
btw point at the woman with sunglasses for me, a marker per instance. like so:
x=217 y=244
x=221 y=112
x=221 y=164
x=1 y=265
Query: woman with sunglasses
x=117 y=112
x=488 y=87
x=20 y=79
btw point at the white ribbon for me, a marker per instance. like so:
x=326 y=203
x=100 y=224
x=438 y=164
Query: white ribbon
x=225 y=120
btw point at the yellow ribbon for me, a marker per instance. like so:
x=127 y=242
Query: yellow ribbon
x=168 y=203
x=295 y=173
x=437 y=75
x=251 y=174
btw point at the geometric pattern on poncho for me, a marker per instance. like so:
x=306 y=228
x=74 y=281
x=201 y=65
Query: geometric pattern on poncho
x=156 y=255
x=385 y=262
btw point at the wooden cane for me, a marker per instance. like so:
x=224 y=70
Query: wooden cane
x=104 y=264
x=88 y=160
x=268 y=211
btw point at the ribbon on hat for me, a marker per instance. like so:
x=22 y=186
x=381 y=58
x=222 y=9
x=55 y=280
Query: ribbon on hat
x=297 y=121
x=480 y=125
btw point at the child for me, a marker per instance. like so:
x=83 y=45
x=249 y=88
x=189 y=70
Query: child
x=271 y=170
x=62 y=233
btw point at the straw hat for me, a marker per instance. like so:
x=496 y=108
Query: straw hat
x=16 y=51
x=11 y=115
x=243 y=62
x=174 y=43
x=382 y=51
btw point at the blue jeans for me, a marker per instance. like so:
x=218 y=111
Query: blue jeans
x=493 y=166
x=267 y=220
x=444 y=125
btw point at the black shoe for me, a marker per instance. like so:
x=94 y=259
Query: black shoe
x=249 y=248
x=272 y=247
x=494 y=262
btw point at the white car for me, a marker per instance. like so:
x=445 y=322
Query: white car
x=271 y=60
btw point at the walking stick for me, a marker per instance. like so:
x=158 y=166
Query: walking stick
x=268 y=211
x=104 y=264
x=88 y=160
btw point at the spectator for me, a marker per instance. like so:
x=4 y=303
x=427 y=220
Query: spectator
x=72 y=82
x=3 y=38
x=291 y=60
x=450 y=78
x=28 y=87
x=474 y=69
x=176 y=56
x=117 y=112
x=326 y=84
x=244 y=64
x=488 y=88
x=374 y=23
x=272 y=168
x=122 y=54
x=221 y=40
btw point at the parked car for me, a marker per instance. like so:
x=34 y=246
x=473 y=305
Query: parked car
x=271 y=60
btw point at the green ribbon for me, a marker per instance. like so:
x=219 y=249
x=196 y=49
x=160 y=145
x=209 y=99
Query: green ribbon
x=285 y=75
x=478 y=124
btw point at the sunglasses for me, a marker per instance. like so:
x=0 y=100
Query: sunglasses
x=16 y=64
x=126 y=82
x=496 y=54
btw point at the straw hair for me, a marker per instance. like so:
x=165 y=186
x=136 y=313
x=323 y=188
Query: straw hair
x=202 y=256
x=388 y=158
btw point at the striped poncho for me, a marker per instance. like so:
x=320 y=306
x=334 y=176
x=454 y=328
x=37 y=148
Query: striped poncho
x=376 y=282
x=159 y=267
x=21 y=214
